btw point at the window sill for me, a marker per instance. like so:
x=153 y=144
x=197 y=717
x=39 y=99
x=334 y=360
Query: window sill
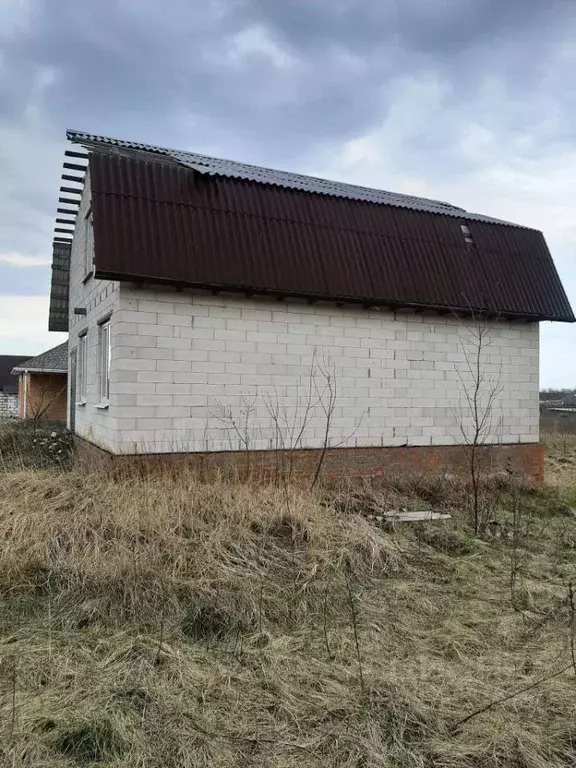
x=102 y=406
x=80 y=402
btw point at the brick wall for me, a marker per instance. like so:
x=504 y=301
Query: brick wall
x=524 y=461
x=45 y=396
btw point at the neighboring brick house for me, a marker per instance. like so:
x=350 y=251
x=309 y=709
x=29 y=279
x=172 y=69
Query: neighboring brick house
x=42 y=385
x=216 y=307
x=9 y=386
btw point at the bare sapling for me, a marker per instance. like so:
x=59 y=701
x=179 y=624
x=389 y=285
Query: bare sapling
x=290 y=414
x=327 y=398
x=289 y=423
x=572 y=623
x=239 y=427
x=325 y=623
x=157 y=658
x=476 y=417
x=516 y=553
x=354 y=618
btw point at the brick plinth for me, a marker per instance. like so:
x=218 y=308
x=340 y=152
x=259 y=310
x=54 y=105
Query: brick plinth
x=523 y=460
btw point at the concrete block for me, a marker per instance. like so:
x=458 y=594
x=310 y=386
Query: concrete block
x=138 y=388
x=155 y=330
x=154 y=423
x=229 y=335
x=136 y=316
x=182 y=366
x=156 y=400
x=124 y=376
x=195 y=378
x=191 y=400
x=135 y=340
x=156 y=353
x=134 y=364
x=171 y=388
x=154 y=376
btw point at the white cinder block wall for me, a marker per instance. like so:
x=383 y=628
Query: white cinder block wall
x=203 y=372
x=192 y=372
x=100 y=299
x=8 y=405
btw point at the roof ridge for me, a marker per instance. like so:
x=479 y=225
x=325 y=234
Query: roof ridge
x=211 y=165
x=74 y=136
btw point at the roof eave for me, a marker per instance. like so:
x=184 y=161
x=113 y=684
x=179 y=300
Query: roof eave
x=16 y=371
x=366 y=302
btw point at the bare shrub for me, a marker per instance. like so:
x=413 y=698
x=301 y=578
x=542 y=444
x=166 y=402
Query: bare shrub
x=477 y=414
x=25 y=444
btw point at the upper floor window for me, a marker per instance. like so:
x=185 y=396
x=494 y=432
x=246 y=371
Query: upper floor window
x=467 y=234
x=104 y=361
x=89 y=245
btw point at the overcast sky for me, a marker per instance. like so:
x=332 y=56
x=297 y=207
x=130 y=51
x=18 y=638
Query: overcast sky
x=469 y=101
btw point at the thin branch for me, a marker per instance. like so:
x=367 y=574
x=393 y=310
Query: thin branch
x=512 y=695
x=354 y=626
x=572 y=609
x=260 y=599
x=13 y=681
x=325 y=623
x=162 y=623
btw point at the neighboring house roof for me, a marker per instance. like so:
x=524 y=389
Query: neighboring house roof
x=9 y=382
x=177 y=217
x=54 y=360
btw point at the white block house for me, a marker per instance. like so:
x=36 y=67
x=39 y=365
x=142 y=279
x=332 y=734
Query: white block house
x=215 y=307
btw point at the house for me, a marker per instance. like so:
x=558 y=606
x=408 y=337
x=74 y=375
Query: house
x=42 y=385
x=8 y=386
x=219 y=310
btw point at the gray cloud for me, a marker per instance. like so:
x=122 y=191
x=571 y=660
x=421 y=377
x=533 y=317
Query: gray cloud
x=141 y=66
x=272 y=82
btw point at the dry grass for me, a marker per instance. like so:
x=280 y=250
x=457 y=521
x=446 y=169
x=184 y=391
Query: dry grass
x=561 y=458
x=162 y=622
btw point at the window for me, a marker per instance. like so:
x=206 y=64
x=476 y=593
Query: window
x=82 y=371
x=89 y=246
x=104 y=362
x=467 y=234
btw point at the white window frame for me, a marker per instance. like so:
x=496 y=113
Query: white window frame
x=89 y=245
x=104 y=350
x=82 y=369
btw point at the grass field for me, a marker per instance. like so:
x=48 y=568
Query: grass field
x=159 y=622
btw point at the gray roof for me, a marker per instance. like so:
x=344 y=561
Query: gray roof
x=55 y=360
x=231 y=168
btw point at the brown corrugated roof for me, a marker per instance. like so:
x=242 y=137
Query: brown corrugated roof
x=59 y=289
x=167 y=216
x=233 y=169
x=160 y=221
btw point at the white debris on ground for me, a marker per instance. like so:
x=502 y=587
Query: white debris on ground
x=406 y=516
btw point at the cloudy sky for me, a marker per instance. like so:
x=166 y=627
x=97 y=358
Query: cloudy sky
x=469 y=101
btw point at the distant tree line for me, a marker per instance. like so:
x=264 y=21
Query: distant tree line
x=557 y=394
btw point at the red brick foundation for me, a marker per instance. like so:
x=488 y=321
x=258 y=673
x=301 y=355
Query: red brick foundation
x=523 y=460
